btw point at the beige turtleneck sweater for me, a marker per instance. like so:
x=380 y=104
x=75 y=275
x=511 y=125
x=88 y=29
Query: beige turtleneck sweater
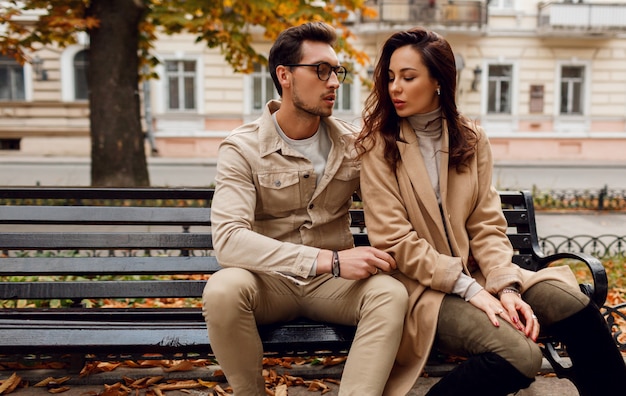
x=428 y=128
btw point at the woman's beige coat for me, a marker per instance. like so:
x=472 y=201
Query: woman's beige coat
x=432 y=247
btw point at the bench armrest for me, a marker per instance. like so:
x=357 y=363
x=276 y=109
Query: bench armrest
x=599 y=290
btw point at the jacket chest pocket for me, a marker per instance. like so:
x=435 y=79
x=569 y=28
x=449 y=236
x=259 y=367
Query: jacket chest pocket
x=279 y=192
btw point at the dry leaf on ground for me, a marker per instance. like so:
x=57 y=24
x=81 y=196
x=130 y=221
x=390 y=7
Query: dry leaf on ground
x=60 y=389
x=8 y=385
x=183 y=365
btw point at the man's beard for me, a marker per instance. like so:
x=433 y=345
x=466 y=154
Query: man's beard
x=301 y=105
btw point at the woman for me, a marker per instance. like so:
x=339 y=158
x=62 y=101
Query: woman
x=426 y=182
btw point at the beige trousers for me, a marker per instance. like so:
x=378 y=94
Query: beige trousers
x=465 y=330
x=236 y=300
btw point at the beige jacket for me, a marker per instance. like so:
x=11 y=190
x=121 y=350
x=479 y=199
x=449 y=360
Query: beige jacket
x=403 y=218
x=268 y=214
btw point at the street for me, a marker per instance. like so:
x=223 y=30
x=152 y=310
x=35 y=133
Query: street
x=200 y=172
x=75 y=171
x=558 y=176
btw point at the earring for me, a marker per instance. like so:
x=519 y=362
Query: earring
x=438 y=91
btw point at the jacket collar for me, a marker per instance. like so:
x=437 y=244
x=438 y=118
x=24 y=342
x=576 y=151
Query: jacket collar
x=271 y=142
x=269 y=139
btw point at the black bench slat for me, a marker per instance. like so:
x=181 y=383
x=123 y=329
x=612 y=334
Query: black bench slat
x=514 y=198
x=49 y=336
x=103 y=193
x=516 y=217
x=521 y=241
x=102 y=289
x=82 y=266
x=147 y=316
x=105 y=240
x=37 y=336
x=98 y=215
x=357 y=218
x=321 y=340
x=361 y=240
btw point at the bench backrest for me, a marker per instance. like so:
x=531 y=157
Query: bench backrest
x=128 y=234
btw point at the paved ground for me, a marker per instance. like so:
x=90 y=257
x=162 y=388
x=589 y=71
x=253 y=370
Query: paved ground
x=544 y=385
x=581 y=223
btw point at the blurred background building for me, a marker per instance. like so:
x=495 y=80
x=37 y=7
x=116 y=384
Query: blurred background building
x=547 y=80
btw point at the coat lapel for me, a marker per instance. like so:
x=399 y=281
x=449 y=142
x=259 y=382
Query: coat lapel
x=443 y=166
x=444 y=174
x=416 y=171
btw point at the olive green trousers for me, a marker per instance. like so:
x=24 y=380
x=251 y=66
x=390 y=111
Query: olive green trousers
x=465 y=330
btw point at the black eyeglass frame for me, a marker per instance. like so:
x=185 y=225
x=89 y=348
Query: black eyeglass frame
x=340 y=71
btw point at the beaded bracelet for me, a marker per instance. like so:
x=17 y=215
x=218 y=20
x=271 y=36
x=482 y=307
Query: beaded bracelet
x=510 y=290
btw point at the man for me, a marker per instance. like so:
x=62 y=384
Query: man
x=281 y=227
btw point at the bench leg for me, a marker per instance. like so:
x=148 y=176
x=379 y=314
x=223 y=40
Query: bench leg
x=77 y=362
x=597 y=365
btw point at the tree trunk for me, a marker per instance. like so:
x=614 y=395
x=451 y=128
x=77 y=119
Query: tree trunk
x=118 y=157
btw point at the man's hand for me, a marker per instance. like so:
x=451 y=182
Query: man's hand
x=357 y=263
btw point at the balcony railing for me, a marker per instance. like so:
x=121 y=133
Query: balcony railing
x=583 y=17
x=428 y=13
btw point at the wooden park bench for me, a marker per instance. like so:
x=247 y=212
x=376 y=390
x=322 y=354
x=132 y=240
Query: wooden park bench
x=64 y=250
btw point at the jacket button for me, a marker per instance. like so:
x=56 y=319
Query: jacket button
x=311 y=206
x=306 y=176
x=277 y=183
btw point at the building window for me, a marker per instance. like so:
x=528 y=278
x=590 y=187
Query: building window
x=343 y=101
x=10 y=144
x=181 y=84
x=499 y=87
x=502 y=4
x=81 y=65
x=572 y=79
x=263 y=89
x=11 y=80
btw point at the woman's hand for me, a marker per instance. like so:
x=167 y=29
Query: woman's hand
x=508 y=308
x=514 y=305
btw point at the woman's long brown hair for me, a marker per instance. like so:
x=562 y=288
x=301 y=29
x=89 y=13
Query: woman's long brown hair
x=380 y=117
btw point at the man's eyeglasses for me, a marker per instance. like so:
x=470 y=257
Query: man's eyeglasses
x=324 y=70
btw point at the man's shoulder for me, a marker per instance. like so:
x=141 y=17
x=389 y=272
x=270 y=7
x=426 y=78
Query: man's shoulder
x=250 y=129
x=252 y=126
x=343 y=126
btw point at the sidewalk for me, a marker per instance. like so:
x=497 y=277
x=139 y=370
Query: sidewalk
x=580 y=223
x=546 y=384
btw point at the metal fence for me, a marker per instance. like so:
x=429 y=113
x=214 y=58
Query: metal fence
x=599 y=246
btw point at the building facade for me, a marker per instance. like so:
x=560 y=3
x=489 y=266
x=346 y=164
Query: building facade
x=547 y=80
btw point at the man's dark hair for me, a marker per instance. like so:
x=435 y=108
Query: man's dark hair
x=287 y=48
